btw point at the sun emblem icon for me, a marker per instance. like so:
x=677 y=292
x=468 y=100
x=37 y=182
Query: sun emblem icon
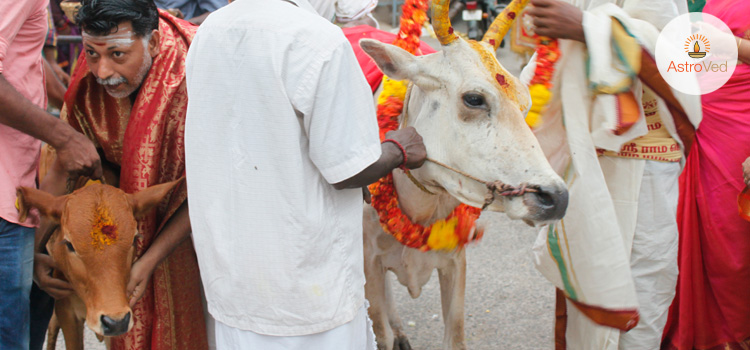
x=694 y=44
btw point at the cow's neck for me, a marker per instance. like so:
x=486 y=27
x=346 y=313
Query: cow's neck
x=421 y=207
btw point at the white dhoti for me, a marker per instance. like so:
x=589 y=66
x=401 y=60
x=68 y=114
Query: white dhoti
x=647 y=218
x=357 y=334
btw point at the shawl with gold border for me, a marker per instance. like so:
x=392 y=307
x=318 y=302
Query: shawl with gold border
x=147 y=141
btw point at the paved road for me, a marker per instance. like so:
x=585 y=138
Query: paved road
x=508 y=304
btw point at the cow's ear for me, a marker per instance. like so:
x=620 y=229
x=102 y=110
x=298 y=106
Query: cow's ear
x=48 y=205
x=145 y=200
x=398 y=63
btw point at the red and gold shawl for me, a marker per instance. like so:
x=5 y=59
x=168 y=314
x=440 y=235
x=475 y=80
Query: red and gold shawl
x=147 y=141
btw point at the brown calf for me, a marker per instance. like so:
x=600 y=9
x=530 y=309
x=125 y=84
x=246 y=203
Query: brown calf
x=93 y=249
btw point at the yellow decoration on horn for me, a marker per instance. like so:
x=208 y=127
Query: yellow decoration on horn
x=502 y=23
x=442 y=23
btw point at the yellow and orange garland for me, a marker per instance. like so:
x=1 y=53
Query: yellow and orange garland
x=459 y=227
x=547 y=54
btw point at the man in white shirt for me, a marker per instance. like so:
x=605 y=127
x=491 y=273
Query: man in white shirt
x=280 y=136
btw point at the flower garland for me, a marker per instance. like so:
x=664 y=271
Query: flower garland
x=547 y=54
x=459 y=227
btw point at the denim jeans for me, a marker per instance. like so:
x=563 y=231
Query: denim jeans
x=16 y=265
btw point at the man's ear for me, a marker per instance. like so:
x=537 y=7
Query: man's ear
x=153 y=43
x=48 y=205
x=397 y=63
x=145 y=200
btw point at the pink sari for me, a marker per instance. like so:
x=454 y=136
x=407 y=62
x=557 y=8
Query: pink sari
x=712 y=307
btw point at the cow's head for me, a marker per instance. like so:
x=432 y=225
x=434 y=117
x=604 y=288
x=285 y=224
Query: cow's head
x=95 y=245
x=470 y=111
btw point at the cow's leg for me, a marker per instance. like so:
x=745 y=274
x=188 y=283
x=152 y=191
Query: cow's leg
x=375 y=292
x=71 y=326
x=400 y=341
x=452 y=288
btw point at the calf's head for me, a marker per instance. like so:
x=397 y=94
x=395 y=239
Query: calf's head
x=95 y=245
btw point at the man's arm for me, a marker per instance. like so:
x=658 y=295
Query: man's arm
x=76 y=152
x=198 y=20
x=55 y=88
x=172 y=235
x=390 y=158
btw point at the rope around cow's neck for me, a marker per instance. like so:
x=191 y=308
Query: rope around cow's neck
x=493 y=187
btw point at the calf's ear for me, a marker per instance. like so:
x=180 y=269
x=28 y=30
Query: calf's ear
x=48 y=205
x=145 y=200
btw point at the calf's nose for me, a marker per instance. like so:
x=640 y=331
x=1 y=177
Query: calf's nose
x=112 y=327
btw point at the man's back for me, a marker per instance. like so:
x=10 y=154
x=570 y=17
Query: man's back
x=279 y=111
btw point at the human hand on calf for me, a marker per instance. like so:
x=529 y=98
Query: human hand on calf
x=413 y=145
x=43 y=266
x=557 y=19
x=78 y=156
x=746 y=171
x=140 y=274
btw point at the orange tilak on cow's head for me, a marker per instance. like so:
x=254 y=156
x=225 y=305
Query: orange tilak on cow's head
x=104 y=231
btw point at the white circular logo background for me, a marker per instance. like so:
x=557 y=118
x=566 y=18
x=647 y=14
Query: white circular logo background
x=696 y=53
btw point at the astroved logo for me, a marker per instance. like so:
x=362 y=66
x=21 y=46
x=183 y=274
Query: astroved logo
x=696 y=53
x=694 y=50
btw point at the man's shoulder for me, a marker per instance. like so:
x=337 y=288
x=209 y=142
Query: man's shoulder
x=276 y=18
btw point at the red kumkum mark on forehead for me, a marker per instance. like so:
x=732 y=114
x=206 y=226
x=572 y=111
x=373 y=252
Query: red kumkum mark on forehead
x=501 y=79
x=450 y=30
x=512 y=15
x=110 y=231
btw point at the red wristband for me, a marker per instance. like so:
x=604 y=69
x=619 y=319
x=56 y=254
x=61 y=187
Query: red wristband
x=403 y=151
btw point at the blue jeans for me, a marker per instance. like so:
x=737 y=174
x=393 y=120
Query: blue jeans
x=16 y=266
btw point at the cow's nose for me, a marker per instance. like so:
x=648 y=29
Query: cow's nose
x=549 y=203
x=112 y=327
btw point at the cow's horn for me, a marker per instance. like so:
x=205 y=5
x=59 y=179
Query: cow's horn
x=502 y=23
x=442 y=23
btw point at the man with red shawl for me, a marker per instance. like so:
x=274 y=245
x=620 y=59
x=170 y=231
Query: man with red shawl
x=128 y=96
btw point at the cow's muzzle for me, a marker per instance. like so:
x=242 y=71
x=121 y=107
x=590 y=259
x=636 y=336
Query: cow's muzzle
x=548 y=203
x=111 y=328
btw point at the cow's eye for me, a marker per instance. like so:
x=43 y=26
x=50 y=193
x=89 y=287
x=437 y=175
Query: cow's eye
x=473 y=100
x=70 y=247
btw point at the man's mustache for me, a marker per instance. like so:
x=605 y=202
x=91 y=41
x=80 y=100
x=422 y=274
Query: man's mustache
x=112 y=81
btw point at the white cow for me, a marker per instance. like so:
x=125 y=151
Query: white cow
x=470 y=112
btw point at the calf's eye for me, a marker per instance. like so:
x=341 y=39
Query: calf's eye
x=70 y=247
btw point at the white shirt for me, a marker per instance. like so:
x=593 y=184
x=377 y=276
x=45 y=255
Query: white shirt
x=278 y=111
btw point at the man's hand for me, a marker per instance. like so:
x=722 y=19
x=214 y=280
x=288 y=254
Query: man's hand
x=78 y=156
x=557 y=19
x=57 y=288
x=746 y=171
x=412 y=142
x=176 y=12
x=140 y=274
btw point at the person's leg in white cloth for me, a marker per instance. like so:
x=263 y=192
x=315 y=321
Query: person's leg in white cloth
x=653 y=259
x=354 y=335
